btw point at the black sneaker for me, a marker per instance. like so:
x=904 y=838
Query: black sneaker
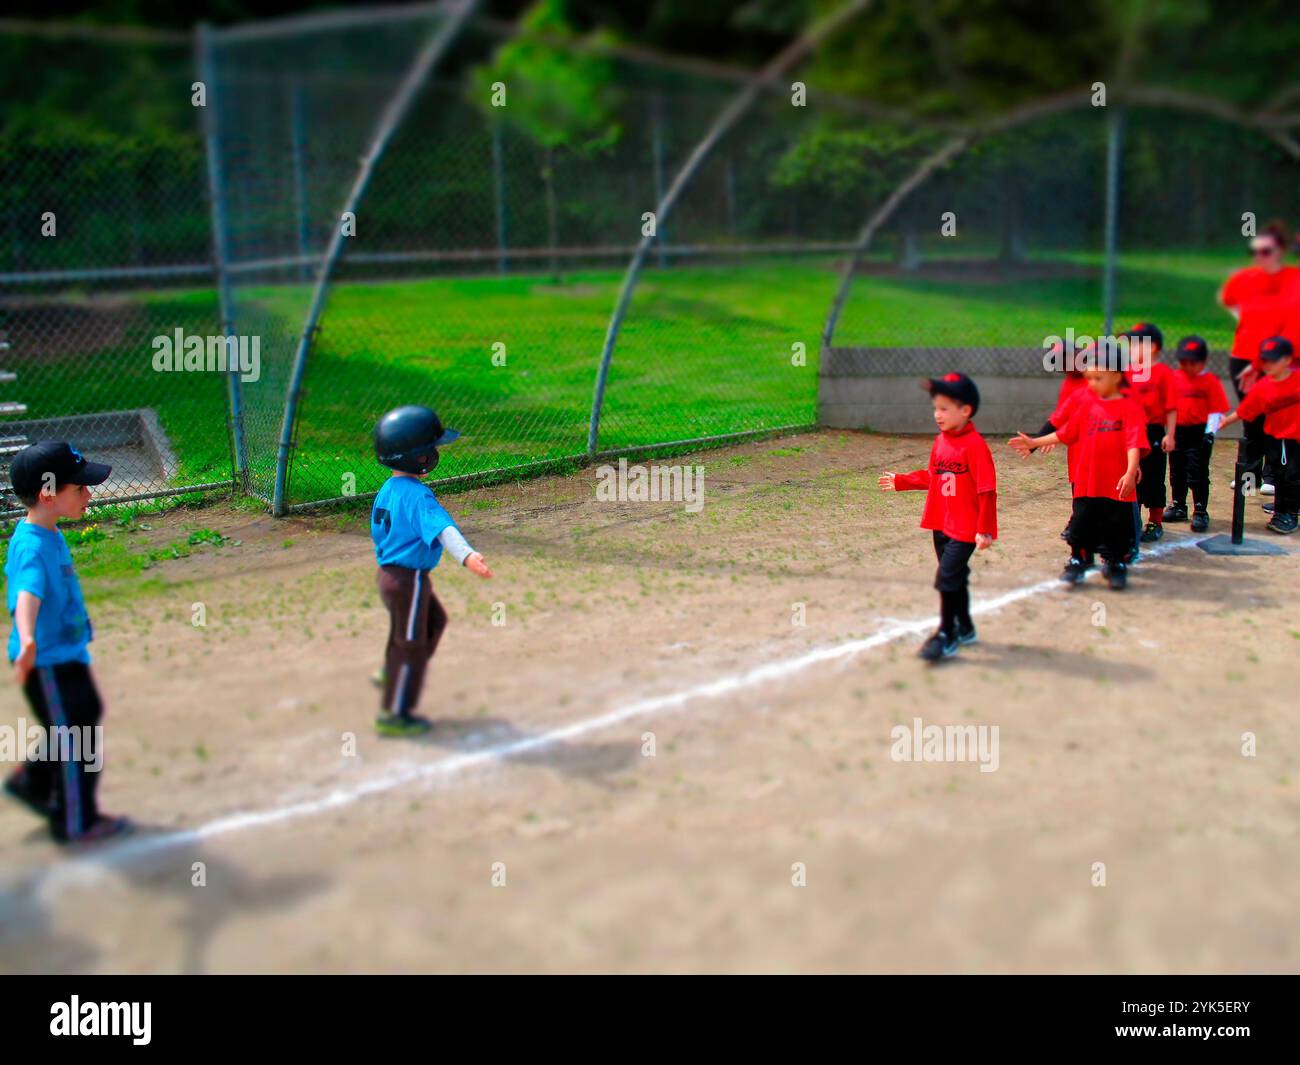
x=1267 y=508
x=1074 y=571
x=1176 y=512
x=1284 y=524
x=16 y=787
x=966 y=633
x=1200 y=520
x=1152 y=533
x=938 y=646
x=1117 y=576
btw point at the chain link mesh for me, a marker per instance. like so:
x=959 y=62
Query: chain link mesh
x=491 y=243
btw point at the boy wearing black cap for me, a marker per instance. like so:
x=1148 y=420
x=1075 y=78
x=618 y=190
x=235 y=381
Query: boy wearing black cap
x=48 y=643
x=1276 y=397
x=960 y=506
x=410 y=530
x=1201 y=406
x=1110 y=434
x=1152 y=384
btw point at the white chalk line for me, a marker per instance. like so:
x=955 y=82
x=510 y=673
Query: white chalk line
x=82 y=868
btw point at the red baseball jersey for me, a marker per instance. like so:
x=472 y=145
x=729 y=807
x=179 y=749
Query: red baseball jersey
x=1103 y=432
x=961 y=486
x=1279 y=402
x=1199 y=396
x=1258 y=297
x=1066 y=405
x=1157 y=394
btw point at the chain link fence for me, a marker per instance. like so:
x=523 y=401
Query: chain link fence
x=490 y=239
x=105 y=245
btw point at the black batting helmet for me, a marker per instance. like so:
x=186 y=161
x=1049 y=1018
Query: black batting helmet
x=408 y=439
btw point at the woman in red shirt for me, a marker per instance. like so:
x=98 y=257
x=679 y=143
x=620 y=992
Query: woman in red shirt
x=1258 y=297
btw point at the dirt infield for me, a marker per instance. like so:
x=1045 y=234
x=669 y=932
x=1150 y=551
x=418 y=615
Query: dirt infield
x=532 y=831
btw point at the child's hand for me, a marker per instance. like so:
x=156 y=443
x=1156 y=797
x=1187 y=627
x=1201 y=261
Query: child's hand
x=1167 y=444
x=1046 y=449
x=475 y=564
x=983 y=541
x=24 y=663
x=1127 y=484
x=1023 y=443
x=886 y=482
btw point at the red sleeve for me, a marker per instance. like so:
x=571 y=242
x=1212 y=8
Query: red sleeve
x=1170 y=393
x=1135 y=429
x=917 y=480
x=1068 y=432
x=1230 y=294
x=1218 y=401
x=986 y=521
x=1064 y=405
x=1251 y=406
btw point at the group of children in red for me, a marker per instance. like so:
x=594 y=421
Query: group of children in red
x=1120 y=426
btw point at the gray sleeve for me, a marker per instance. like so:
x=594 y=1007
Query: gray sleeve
x=455 y=544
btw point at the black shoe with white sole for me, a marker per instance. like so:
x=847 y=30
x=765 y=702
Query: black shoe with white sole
x=1153 y=532
x=966 y=633
x=1117 y=576
x=1200 y=520
x=938 y=646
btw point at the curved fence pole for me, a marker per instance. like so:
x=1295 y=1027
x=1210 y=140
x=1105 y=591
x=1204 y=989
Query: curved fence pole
x=879 y=217
x=738 y=105
x=1190 y=103
x=428 y=58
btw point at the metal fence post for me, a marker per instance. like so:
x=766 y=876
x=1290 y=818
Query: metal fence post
x=1114 y=147
x=499 y=192
x=220 y=250
x=299 y=184
x=657 y=156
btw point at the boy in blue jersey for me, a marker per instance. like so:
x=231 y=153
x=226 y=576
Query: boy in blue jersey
x=48 y=644
x=411 y=530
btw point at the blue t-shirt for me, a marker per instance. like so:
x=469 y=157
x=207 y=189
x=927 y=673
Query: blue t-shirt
x=39 y=562
x=405 y=524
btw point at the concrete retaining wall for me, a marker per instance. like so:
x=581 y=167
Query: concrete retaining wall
x=880 y=388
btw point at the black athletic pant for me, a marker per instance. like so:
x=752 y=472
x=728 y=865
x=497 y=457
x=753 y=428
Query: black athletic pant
x=1285 y=457
x=1151 y=485
x=64 y=696
x=952 y=581
x=1189 y=465
x=416 y=621
x=1101 y=525
x=1257 y=441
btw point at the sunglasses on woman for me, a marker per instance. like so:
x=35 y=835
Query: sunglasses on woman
x=1264 y=251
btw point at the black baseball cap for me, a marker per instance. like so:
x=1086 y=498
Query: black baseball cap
x=1194 y=348
x=1275 y=348
x=955 y=386
x=28 y=469
x=1146 y=329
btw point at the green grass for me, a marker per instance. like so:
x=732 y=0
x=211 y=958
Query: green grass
x=705 y=350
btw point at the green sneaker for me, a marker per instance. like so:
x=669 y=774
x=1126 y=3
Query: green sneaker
x=402 y=725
